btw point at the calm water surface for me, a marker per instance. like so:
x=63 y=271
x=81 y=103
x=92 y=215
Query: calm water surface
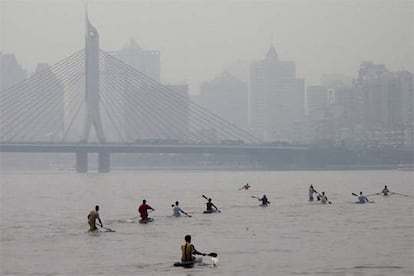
x=44 y=228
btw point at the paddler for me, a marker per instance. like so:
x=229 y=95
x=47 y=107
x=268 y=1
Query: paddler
x=362 y=198
x=177 y=210
x=143 y=210
x=264 y=200
x=323 y=198
x=188 y=250
x=92 y=217
x=385 y=191
x=210 y=205
x=311 y=191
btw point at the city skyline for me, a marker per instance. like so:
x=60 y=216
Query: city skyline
x=393 y=37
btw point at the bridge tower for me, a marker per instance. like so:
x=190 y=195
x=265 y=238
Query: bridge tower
x=92 y=115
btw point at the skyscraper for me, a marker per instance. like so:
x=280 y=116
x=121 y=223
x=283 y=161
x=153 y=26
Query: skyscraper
x=11 y=72
x=276 y=98
x=226 y=96
x=145 y=61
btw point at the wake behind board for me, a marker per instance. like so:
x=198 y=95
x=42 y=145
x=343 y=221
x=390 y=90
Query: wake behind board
x=146 y=221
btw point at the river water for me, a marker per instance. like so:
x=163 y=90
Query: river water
x=44 y=228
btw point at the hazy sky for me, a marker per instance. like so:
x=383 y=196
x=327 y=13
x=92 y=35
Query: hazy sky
x=197 y=39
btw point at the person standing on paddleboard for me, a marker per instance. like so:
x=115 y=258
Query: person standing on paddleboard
x=143 y=210
x=311 y=191
x=92 y=217
x=188 y=250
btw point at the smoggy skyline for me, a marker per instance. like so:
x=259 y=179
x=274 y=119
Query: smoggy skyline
x=198 y=39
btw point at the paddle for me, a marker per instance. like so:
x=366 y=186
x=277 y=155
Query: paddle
x=373 y=194
x=212 y=204
x=400 y=194
x=212 y=254
x=317 y=195
x=107 y=229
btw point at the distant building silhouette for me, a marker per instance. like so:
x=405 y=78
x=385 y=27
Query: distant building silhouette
x=276 y=98
x=52 y=118
x=375 y=111
x=145 y=61
x=11 y=72
x=226 y=96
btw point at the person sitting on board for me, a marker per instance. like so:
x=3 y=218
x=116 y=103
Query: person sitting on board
x=92 y=217
x=177 y=210
x=143 y=210
x=311 y=191
x=362 y=198
x=385 y=191
x=210 y=205
x=323 y=198
x=264 y=200
x=188 y=250
x=245 y=187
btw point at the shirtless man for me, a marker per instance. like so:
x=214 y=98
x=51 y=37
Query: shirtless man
x=92 y=217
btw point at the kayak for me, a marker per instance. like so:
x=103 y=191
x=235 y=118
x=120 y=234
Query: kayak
x=146 y=221
x=189 y=264
x=358 y=202
x=263 y=205
x=210 y=211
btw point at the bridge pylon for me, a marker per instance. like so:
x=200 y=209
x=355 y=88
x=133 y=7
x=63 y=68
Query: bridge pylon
x=92 y=98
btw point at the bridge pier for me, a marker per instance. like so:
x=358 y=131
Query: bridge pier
x=81 y=161
x=103 y=161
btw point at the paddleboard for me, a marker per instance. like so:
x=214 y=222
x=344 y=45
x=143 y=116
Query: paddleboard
x=210 y=211
x=146 y=221
x=189 y=264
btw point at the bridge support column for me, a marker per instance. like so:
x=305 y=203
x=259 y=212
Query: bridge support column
x=103 y=161
x=81 y=162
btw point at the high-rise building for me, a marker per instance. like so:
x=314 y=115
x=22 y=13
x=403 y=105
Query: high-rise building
x=226 y=96
x=49 y=104
x=11 y=72
x=316 y=99
x=145 y=61
x=132 y=86
x=276 y=98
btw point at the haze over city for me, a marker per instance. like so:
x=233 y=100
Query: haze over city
x=198 y=40
x=276 y=137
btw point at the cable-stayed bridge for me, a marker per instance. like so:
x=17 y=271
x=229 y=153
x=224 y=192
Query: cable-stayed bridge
x=56 y=108
x=50 y=107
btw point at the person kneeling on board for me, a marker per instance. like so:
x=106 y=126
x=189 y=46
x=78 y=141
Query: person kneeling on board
x=385 y=191
x=188 y=250
x=264 y=200
x=362 y=198
x=323 y=198
x=143 y=210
